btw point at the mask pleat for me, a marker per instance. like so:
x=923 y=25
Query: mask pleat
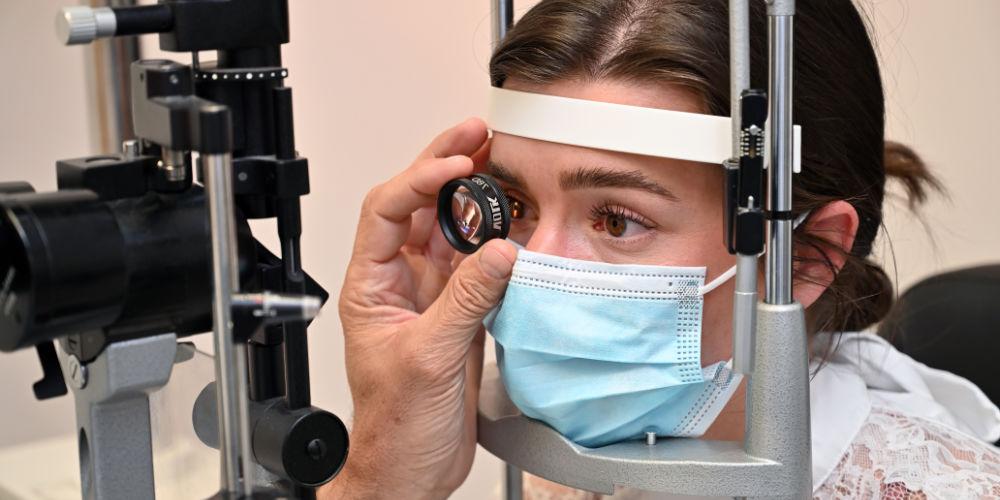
x=640 y=332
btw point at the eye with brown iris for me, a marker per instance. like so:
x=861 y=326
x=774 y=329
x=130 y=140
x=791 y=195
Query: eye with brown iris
x=615 y=225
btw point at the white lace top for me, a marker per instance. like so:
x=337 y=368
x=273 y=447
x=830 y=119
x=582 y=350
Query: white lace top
x=884 y=426
x=897 y=456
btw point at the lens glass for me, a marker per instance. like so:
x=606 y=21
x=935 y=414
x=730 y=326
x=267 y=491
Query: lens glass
x=467 y=215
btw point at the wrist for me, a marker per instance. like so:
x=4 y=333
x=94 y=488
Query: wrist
x=365 y=477
x=368 y=473
x=348 y=485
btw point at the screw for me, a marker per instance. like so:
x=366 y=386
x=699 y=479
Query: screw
x=316 y=449
x=650 y=438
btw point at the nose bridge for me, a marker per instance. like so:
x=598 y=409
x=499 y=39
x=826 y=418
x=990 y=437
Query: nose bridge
x=549 y=237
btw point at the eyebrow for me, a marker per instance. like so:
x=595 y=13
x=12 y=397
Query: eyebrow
x=501 y=172
x=584 y=178
x=598 y=177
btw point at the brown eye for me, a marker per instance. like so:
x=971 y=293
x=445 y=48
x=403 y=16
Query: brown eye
x=615 y=225
x=516 y=208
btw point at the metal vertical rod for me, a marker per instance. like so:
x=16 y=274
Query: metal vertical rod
x=502 y=13
x=779 y=171
x=230 y=362
x=745 y=299
x=108 y=76
x=513 y=486
x=502 y=19
x=739 y=62
x=779 y=425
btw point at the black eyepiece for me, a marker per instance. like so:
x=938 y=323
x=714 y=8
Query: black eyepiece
x=472 y=211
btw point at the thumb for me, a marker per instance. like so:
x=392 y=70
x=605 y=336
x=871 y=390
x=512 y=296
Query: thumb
x=476 y=287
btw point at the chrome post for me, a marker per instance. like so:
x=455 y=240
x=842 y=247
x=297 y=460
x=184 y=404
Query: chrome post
x=779 y=171
x=778 y=426
x=502 y=18
x=230 y=361
x=745 y=298
x=513 y=485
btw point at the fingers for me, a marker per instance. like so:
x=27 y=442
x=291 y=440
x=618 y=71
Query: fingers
x=480 y=157
x=417 y=187
x=385 y=216
x=466 y=139
x=424 y=225
x=474 y=289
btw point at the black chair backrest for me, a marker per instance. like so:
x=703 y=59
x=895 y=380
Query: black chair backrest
x=951 y=321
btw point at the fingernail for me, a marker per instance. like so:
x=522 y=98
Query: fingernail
x=494 y=263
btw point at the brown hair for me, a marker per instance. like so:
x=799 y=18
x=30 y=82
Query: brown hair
x=838 y=102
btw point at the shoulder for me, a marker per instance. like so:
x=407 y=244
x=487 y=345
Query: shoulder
x=896 y=455
x=862 y=371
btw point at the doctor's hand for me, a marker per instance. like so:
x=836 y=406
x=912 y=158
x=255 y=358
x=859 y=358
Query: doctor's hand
x=412 y=314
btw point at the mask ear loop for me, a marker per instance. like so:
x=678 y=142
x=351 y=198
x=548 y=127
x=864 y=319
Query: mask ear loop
x=718 y=281
x=729 y=273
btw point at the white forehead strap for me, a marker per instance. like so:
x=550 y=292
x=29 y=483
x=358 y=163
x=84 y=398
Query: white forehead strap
x=616 y=127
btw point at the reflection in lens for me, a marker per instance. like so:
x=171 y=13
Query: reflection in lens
x=466 y=214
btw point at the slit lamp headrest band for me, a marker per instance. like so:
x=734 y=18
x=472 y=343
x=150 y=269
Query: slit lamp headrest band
x=617 y=127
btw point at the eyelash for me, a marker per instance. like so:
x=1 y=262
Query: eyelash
x=602 y=210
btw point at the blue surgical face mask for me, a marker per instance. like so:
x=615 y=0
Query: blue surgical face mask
x=605 y=353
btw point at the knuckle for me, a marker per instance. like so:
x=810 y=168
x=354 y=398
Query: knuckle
x=371 y=197
x=472 y=297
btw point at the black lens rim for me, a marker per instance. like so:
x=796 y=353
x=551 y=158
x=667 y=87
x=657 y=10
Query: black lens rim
x=481 y=192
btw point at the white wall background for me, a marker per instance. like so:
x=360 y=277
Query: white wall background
x=375 y=81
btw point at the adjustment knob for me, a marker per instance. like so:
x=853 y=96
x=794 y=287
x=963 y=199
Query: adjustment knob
x=79 y=25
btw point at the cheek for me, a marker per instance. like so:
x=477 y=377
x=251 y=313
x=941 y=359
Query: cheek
x=716 y=328
x=718 y=303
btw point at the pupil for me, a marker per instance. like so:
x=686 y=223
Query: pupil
x=516 y=209
x=615 y=225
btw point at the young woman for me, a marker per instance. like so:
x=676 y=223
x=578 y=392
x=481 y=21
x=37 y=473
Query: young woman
x=883 y=425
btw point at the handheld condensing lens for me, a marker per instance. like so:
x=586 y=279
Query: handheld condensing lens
x=472 y=211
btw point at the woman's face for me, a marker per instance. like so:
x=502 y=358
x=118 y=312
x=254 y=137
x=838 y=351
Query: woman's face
x=620 y=208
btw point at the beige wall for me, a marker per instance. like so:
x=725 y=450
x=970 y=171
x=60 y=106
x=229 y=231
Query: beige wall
x=941 y=69
x=374 y=81
x=42 y=106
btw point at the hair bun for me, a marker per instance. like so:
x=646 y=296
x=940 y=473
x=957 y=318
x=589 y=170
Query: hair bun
x=903 y=164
